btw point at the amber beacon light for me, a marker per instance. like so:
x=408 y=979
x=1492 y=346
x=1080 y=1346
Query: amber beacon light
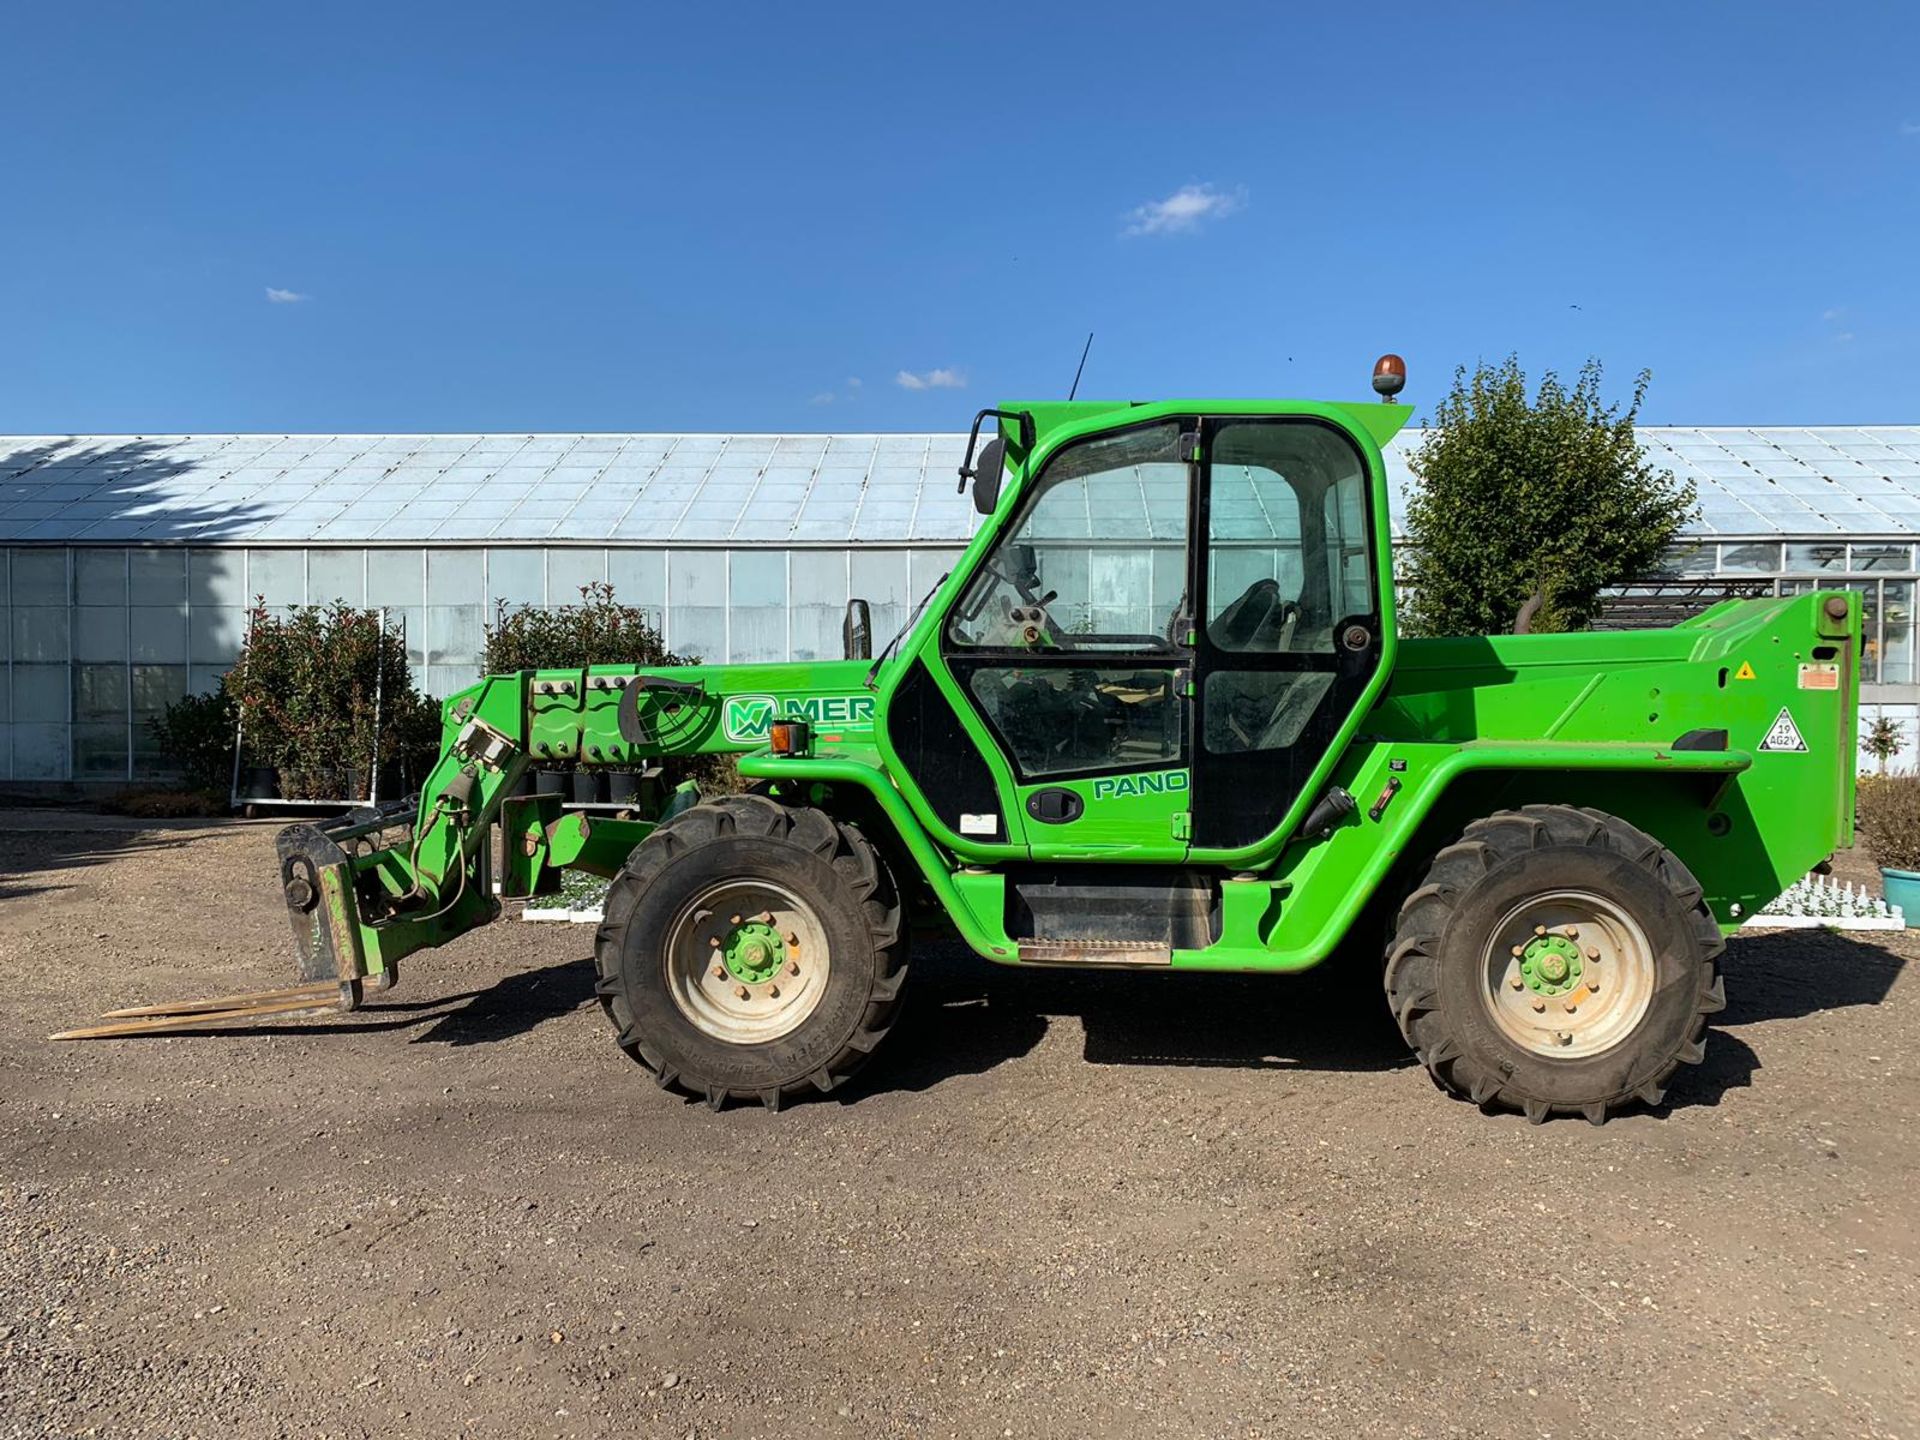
x=1389 y=376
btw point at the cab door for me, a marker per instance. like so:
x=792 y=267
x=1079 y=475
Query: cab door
x=1066 y=649
x=1288 y=629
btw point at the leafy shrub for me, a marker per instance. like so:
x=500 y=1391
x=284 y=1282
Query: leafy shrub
x=599 y=630
x=1517 y=498
x=1888 y=818
x=312 y=686
x=195 y=735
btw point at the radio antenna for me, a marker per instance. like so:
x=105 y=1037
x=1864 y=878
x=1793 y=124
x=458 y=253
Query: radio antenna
x=1082 y=366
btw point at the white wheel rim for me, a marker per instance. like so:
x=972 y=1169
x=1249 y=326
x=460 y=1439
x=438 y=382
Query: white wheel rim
x=747 y=961
x=1568 y=975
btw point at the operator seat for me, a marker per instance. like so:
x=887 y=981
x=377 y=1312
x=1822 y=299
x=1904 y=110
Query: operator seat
x=1235 y=627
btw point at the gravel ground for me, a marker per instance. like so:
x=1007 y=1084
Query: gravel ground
x=1056 y=1205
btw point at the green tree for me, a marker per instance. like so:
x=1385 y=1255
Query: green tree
x=1548 y=499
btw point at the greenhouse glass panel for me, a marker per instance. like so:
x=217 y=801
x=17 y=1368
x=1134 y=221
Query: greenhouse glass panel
x=395 y=577
x=279 y=576
x=517 y=575
x=454 y=634
x=569 y=569
x=1760 y=558
x=1897 y=645
x=1827 y=555
x=639 y=577
x=100 y=633
x=337 y=575
x=1882 y=557
x=39 y=750
x=214 y=633
x=100 y=693
x=454 y=577
x=159 y=633
x=156 y=577
x=40 y=577
x=819 y=580
x=100 y=577
x=40 y=632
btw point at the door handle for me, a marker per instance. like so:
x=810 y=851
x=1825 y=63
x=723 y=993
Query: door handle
x=1055 y=806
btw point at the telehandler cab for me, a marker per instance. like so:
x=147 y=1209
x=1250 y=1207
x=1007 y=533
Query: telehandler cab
x=1157 y=717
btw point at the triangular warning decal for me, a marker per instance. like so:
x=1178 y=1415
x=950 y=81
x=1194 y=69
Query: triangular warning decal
x=1784 y=735
x=1745 y=672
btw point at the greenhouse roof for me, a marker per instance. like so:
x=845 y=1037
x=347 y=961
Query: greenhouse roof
x=706 y=490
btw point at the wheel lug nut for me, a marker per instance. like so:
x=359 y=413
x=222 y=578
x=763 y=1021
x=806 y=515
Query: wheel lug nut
x=1538 y=1004
x=1539 y=929
x=740 y=992
x=1518 y=951
x=1572 y=933
x=719 y=972
x=765 y=917
x=774 y=991
x=1564 y=1037
x=1518 y=983
x=714 y=943
x=1592 y=953
x=1593 y=983
x=1571 y=1007
x=794 y=968
x=793 y=937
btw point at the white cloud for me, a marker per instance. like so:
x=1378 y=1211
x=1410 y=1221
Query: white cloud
x=277 y=296
x=825 y=397
x=1832 y=314
x=1186 y=209
x=853 y=382
x=1910 y=127
x=944 y=378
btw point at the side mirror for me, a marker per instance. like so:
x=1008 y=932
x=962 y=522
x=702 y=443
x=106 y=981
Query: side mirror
x=856 y=631
x=986 y=475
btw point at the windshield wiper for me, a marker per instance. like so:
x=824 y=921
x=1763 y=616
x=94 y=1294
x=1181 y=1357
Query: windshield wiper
x=905 y=629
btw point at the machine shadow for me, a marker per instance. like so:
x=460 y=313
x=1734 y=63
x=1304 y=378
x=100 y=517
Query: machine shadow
x=509 y=1007
x=966 y=1017
x=1784 y=974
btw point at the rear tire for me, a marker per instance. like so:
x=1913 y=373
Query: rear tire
x=1555 y=961
x=751 y=950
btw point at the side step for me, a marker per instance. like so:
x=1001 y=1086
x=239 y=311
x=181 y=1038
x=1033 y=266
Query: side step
x=1092 y=952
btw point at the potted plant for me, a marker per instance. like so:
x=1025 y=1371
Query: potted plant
x=597 y=630
x=324 y=694
x=1888 y=817
x=1884 y=740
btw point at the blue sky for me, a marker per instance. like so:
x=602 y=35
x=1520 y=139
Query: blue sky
x=479 y=216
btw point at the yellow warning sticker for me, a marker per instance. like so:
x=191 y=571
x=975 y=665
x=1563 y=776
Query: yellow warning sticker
x=1745 y=672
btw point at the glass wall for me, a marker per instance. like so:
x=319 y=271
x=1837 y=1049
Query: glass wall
x=96 y=641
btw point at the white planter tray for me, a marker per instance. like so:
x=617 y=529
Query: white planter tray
x=578 y=917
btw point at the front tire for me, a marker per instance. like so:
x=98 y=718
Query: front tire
x=751 y=950
x=1555 y=961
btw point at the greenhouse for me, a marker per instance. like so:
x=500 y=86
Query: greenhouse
x=128 y=565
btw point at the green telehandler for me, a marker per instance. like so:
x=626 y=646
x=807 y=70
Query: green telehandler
x=1157 y=717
